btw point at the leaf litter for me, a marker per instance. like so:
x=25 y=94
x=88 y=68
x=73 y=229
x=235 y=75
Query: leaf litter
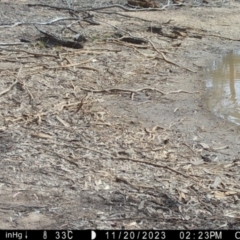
x=83 y=164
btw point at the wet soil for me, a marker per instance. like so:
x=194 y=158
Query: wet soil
x=117 y=134
x=223 y=87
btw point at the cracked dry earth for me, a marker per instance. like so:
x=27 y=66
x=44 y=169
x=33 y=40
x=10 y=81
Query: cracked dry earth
x=113 y=135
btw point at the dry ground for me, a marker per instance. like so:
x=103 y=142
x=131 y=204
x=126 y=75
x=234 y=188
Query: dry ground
x=112 y=135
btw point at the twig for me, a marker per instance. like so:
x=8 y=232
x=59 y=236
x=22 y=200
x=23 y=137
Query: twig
x=49 y=6
x=213 y=35
x=99 y=8
x=10 y=44
x=125 y=44
x=167 y=60
x=123 y=15
x=182 y=91
x=8 y=205
x=138 y=161
x=72 y=65
x=55 y=20
x=32 y=53
x=154 y=165
x=30 y=94
x=61 y=156
x=16 y=81
x=11 y=25
x=144 y=39
x=110 y=90
x=121 y=179
x=40 y=23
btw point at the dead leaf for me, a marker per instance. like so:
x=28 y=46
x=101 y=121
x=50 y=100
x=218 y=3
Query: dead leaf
x=197 y=162
x=132 y=224
x=41 y=135
x=204 y=145
x=181 y=195
x=98 y=182
x=107 y=187
x=219 y=195
x=217 y=181
x=228 y=165
x=207 y=171
x=229 y=193
x=141 y=205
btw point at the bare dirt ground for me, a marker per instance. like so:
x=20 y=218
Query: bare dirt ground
x=115 y=135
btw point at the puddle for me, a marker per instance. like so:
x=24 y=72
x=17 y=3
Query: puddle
x=223 y=87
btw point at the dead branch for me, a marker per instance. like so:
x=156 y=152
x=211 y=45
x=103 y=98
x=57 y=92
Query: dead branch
x=131 y=45
x=112 y=90
x=50 y=22
x=39 y=23
x=11 y=25
x=127 y=16
x=62 y=42
x=100 y=8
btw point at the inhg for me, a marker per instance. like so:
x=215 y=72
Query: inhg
x=13 y=235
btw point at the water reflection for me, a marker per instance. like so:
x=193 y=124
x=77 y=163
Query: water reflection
x=223 y=87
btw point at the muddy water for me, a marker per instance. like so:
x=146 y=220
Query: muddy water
x=223 y=87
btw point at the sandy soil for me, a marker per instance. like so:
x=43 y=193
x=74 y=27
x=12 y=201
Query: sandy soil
x=113 y=135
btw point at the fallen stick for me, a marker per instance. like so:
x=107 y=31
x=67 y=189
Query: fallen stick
x=110 y=90
x=100 y=8
x=32 y=53
x=167 y=60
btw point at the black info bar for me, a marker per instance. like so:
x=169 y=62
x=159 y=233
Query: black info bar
x=119 y=234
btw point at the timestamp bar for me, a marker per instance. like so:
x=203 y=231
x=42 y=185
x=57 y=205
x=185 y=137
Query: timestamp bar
x=172 y=234
x=120 y=234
